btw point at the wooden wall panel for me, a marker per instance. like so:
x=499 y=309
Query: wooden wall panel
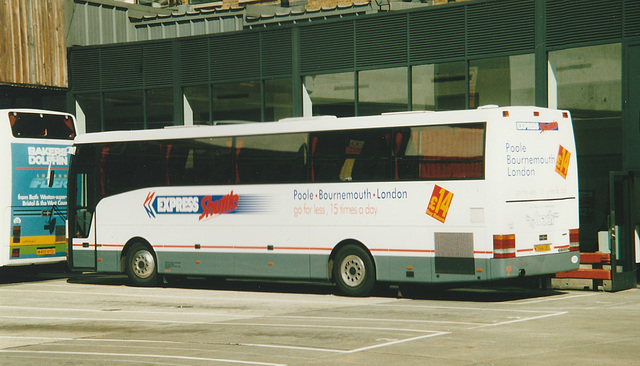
x=32 y=43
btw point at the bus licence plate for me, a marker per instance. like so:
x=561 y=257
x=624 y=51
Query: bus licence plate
x=542 y=247
x=45 y=251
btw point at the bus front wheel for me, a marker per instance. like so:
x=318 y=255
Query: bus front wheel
x=353 y=271
x=141 y=266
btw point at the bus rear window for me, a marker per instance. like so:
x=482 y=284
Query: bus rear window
x=42 y=126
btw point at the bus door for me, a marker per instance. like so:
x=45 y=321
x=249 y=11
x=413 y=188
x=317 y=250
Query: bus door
x=621 y=231
x=82 y=236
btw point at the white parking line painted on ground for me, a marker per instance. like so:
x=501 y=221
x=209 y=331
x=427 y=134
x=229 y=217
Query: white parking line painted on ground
x=521 y=320
x=391 y=331
x=397 y=342
x=233 y=296
x=94 y=320
x=340 y=327
x=352 y=319
x=499 y=310
x=554 y=299
x=395 y=331
x=48 y=339
x=142 y=341
x=120 y=311
x=135 y=355
x=165 y=321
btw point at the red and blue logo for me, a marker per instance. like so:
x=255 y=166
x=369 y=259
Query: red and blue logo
x=204 y=206
x=537 y=126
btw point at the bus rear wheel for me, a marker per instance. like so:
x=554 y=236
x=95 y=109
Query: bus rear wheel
x=353 y=271
x=141 y=266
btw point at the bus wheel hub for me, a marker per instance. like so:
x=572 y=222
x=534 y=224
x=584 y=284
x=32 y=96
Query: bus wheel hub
x=143 y=264
x=352 y=270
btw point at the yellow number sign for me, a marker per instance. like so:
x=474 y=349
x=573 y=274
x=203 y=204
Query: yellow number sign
x=439 y=203
x=562 y=163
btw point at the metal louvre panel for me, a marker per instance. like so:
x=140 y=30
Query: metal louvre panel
x=121 y=67
x=85 y=69
x=194 y=60
x=326 y=47
x=235 y=56
x=498 y=27
x=576 y=21
x=158 y=63
x=454 y=245
x=381 y=40
x=454 y=253
x=631 y=27
x=436 y=34
x=276 y=48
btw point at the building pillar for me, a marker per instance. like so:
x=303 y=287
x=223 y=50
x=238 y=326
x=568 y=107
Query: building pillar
x=541 y=57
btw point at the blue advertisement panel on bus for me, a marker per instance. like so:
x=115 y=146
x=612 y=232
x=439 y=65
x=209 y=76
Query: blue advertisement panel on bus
x=39 y=200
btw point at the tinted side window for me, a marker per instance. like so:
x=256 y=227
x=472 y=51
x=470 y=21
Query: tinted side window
x=441 y=152
x=351 y=155
x=280 y=158
x=200 y=161
x=126 y=166
x=385 y=154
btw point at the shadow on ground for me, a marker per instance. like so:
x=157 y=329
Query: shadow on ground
x=500 y=291
x=34 y=273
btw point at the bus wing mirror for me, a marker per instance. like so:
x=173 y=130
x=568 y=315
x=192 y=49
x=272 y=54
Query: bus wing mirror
x=51 y=174
x=51 y=177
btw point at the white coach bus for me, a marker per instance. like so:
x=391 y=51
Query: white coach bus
x=418 y=197
x=36 y=146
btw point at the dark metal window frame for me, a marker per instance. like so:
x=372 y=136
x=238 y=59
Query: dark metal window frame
x=455 y=32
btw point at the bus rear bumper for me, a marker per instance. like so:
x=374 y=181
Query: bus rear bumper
x=535 y=265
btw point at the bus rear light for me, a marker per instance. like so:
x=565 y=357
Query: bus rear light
x=505 y=113
x=574 y=240
x=565 y=114
x=504 y=246
x=15 y=253
x=536 y=114
x=16 y=234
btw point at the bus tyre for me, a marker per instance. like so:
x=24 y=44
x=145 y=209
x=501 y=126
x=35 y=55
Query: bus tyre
x=353 y=271
x=141 y=266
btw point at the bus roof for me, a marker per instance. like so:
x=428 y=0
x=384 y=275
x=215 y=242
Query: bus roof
x=32 y=110
x=309 y=124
